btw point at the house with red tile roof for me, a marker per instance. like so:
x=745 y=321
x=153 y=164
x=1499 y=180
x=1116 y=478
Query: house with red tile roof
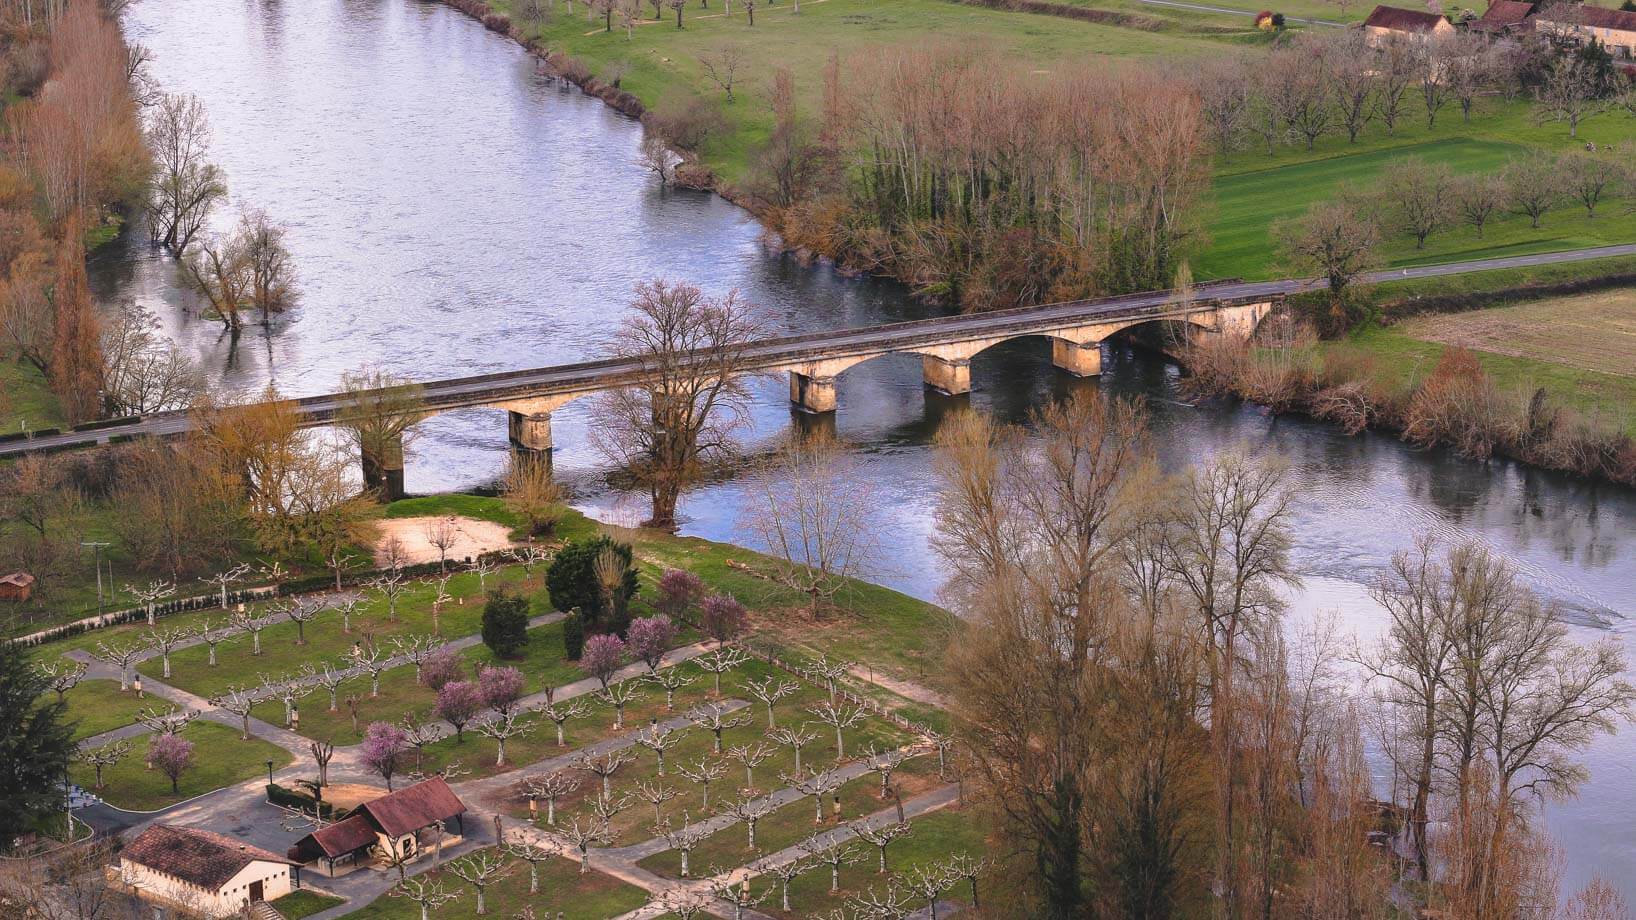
x=1388 y=23
x=393 y=826
x=209 y=874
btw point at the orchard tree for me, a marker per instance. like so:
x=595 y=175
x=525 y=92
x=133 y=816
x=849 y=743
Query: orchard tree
x=659 y=739
x=665 y=428
x=391 y=586
x=103 y=757
x=502 y=728
x=602 y=658
x=656 y=794
x=838 y=717
x=769 y=690
x=171 y=755
x=649 y=638
x=751 y=756
x=671 y=680
x=703 y=771
x=793 y=738
x=604 y=765
x=719 y=662
x=750 y=807
x=532 y=853
x=815 y=784
x=222 y=580
x=717 y=718
x=682 y=839
x=834 y=851
x=381 y=748
x=561 y=713
x=121 y=655
x=480 y=870
x=457 y=704
x=880 y=836
x=1335 y=240
x=551 y=787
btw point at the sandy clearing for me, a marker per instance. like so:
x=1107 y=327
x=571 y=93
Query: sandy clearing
x=472 y=537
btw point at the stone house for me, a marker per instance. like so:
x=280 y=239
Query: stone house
x=1582 y=22
x=201 y=871
x=392 y=827
x=1386 y=23
x=1504 y=17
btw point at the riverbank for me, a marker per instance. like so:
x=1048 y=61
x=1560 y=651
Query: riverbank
x=1542 y=375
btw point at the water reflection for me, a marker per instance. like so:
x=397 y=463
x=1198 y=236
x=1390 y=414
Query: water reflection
x=454 y=211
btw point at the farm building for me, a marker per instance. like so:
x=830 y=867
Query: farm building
x=1387 y=23
x=393 y=826
x=1615 y=29
x=17 y=586
x=201 y=871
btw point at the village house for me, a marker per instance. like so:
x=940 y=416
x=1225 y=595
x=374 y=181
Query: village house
x=1583 y=23
x=393 y=827
x=1388 y=23
x=202 y=872
x=1504 y=17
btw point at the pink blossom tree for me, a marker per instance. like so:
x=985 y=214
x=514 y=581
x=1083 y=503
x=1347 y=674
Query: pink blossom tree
x=679 y=592
x=649 y=638
x=457 y=703
x=441 y=667
x=383 y=744
x=171 y=755
x=723 y=617
x=602 y=657
x=500 y=688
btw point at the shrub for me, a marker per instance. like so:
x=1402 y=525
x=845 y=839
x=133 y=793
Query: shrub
x=572 y=581
x=687 y=127
x=573 y=636
x=505 y=623
x=497 y=22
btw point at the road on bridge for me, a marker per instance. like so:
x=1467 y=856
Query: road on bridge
x=771 y=353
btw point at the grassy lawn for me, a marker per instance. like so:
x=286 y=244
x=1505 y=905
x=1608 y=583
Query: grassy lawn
x=563 y=892
x=219 y=758
x=1589 y=332
x=26 y=402
x=304 y=903
x=97 y=706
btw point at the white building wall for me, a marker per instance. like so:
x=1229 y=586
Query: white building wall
x=275 y=879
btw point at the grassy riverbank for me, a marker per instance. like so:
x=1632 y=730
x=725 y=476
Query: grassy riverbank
x=26 y=402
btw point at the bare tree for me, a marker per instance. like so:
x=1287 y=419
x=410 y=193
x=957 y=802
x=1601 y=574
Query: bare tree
x=1477 y=198
x=769 y=690
x=480 y=870
x=378 y=414
x=1532 y=185
x=301 y=611
x=671 y=680
x=144 y=371
x=165 y=640
x=884 y=762
x=561 y=713
x=239 y=701
x=219 y=268
x=816 y=518
x=665 y=427
x=716 y=718
x=1335 y=240
x=718 y=662
x=103 y=757
x=584 y=834
x=816 y=784
x=185 y=187
x=1572 y=92
x=391 y=586
x=1399 y=67
x=659 y=739
x=1421 y=194
x=63 y=676
x=834 y=851
x=682 y=839
x=442 y=533
x=222 y=580
x=1353 y=76
x=1588 y=178
x=121 y=655
x=751 y=756
x=551 y=787
x=838 y=717
x=703 y=771
x=619 y=695
x=793 y=738
x=250 y=622
x=604 y=766
x=721 y=66
x=880 y=837
x=533 y=854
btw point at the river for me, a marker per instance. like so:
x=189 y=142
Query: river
x=452 y=210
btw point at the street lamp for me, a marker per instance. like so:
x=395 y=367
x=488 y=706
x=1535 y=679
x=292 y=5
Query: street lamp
x=269 y=776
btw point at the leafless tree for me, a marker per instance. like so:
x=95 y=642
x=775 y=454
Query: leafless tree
x=561 y=713
x=815 y=517
x=703 y=771
x=442 y=533
x=62 y=676
x=391 y=586
x=880 y=836
x=239 y=701
x=584 y=834
x=716 y=719
x=1431 y=71
x=667 y=426
x=682 y=839
x=769 y=691
x=833 y=850
x=928 y=881
x=165 y=640
x=379 y=414
x=604 y=766
x=103 y=757
x=533 y=853
x=671 y=680
x=1333 y=239
x=751 y=756
x=1532 y=185
x=722 y=65
x=268 y=263
x=884 y=762
x=718 y=662
x=1352 y=74
x=219 y=267
x=1225 y=88
x=1571 y=92
x=1588 y=178
x=480 y=870
x=619 y=695
x=793 y=738
x=250 y=622
x=143 y=371
x=659 y=739
x=223 y=579
x=1477 y=197
x=838 y=717
x=1422 y=195
x=551 y=787
x=121 y=655
x=739 y=894
x=300 y=611
x=503 y=727
x=786 y=872
x=1399 y=67
x=185 y=187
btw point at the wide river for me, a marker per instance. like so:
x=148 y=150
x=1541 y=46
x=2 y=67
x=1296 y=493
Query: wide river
x=452 y=211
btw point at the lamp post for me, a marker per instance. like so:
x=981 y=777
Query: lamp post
x=269 y=780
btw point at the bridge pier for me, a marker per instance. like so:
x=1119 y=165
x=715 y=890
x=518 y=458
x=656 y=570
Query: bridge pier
x=811 y=393
x=383 y=470
x=946 y=376
x=529 y=433
x=1077 y=359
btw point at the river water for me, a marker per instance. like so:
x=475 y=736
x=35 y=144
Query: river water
x=454 y=211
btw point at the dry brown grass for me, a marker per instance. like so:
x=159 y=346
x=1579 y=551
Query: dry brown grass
x=1595 y=332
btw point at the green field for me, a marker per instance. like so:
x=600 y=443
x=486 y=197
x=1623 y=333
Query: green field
x=220 y=759
x=97 y=706
x=26 y=403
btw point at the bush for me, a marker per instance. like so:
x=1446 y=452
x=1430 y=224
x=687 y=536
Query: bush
x=689 y=126
x=505 y=623
x=573 y=636
x=572 y=583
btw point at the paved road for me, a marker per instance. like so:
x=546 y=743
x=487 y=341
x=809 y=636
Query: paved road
x=769 y=354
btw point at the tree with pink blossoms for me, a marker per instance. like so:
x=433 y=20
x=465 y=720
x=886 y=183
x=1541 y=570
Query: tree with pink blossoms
x=383 y=744
x=457 y=704
x=679 y=591
x=649 y=638
x=500 y=688
x=602 y=657
x=441 y=667
x=171 y=755
x=723 y=617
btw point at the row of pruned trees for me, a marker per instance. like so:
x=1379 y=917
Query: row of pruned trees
x=1156 y=737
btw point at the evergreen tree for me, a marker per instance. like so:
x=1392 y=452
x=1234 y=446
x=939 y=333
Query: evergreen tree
x=572 y=582
x=35 y=744
x=505 y=623
x=573 y=636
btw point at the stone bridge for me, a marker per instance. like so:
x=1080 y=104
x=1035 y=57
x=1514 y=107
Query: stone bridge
x=946 y=346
